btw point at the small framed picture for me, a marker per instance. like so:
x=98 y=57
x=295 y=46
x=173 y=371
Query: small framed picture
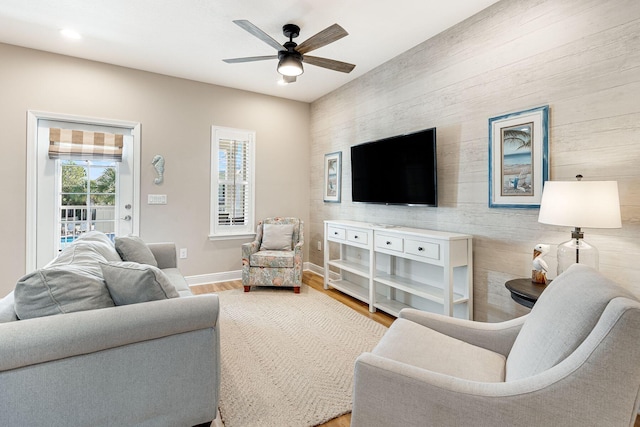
x=518 y=158
x=332 y=176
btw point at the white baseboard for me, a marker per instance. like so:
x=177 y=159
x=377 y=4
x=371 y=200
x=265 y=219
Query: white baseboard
x=204 y=279
x=227 y=276
x=314 y=268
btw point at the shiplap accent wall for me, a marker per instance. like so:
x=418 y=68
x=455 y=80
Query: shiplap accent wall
x=581 y=57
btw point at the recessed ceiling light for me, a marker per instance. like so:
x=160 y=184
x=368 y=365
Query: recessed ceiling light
x=70 y=34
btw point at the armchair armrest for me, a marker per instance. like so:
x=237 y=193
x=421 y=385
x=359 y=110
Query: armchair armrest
x=497 y=337
x=165 y=254
x=44 y=339
x=249 y=249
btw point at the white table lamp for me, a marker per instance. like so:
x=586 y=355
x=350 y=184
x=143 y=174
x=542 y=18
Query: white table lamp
x=578 y=204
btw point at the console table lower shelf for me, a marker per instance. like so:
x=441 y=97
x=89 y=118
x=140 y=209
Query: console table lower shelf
x=351 y=289
x=381 y=301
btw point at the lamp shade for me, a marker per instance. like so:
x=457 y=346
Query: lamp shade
x=290 y=65
x=589 y=204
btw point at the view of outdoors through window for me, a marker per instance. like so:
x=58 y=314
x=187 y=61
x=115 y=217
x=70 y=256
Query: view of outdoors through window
x=233 y=182
x=87 y=199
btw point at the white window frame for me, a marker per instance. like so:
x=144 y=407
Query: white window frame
x=219 y=231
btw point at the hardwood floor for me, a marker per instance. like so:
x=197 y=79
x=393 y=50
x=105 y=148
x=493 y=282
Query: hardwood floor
x=316 y=282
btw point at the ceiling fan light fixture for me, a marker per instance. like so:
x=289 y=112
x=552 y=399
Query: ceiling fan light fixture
x=290 y=64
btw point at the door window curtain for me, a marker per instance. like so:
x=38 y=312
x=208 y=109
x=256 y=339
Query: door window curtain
x=84 y=145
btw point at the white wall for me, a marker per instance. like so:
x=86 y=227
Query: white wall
x=580 y=57
x=176 y=117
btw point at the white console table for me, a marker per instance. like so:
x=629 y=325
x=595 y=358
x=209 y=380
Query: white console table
x=392 y=267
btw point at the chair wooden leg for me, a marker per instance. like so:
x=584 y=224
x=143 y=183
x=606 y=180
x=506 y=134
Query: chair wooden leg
x=247 y=288
x=296 y=290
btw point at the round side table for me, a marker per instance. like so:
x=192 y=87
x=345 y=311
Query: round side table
x=524 y=291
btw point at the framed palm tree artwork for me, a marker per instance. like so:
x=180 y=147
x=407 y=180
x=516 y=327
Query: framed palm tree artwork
x=518 y=158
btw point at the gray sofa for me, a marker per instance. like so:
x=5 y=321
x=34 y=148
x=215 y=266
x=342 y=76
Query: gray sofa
x=153 y=363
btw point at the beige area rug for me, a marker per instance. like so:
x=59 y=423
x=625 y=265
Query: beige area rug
x=287 y=359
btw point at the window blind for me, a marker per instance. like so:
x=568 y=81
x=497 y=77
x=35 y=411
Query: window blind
x=233 y=182
x=71 y=144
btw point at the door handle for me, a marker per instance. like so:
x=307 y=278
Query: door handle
x=127 y=218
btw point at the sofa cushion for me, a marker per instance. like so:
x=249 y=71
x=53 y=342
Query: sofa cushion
x=131 y=283
x=563 y=316
x=100 y=243
x=87 y=252
x=272 y=259
x=60 y=289
x=7 y=309
x=133 y=249
x=276 y=237
x=416 y=345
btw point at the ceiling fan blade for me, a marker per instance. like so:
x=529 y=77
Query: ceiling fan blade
x=332 y=64
x=323 y=38
x=249 y=59
x=257 y=32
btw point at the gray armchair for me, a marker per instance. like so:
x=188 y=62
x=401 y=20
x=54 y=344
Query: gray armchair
x=274 y=258
x=572 y=361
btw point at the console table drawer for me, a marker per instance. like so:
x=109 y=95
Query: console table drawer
x=336 y=233
x=422 y=249
x=391 y=243
x=357 y=237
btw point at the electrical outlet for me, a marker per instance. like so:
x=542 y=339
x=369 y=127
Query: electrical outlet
x=183 y=253
x=319 y=245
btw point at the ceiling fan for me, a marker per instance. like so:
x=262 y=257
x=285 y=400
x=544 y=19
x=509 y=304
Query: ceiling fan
x=291 y=55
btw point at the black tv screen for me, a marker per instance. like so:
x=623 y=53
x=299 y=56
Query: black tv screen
x=400 y=170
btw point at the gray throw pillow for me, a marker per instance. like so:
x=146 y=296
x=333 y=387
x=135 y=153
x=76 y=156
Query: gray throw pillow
x=131 y=283
x=133 y=249
x=59 y=289
x=276 y=237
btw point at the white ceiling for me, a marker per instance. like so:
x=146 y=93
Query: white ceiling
x=189 y=38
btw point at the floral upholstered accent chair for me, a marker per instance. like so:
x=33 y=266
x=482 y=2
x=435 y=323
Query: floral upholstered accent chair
x=274 y=258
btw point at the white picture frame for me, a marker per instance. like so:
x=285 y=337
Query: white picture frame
x=332 y=177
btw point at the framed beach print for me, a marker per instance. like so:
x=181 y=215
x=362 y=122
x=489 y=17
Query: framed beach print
x=332 y=176
x=518 y=158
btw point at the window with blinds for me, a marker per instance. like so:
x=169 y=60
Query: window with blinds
x=232 y=182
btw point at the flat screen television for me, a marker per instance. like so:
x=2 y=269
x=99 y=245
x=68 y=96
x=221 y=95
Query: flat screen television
x=400 y=170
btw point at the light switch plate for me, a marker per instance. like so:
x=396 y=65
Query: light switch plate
x=157 y=199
